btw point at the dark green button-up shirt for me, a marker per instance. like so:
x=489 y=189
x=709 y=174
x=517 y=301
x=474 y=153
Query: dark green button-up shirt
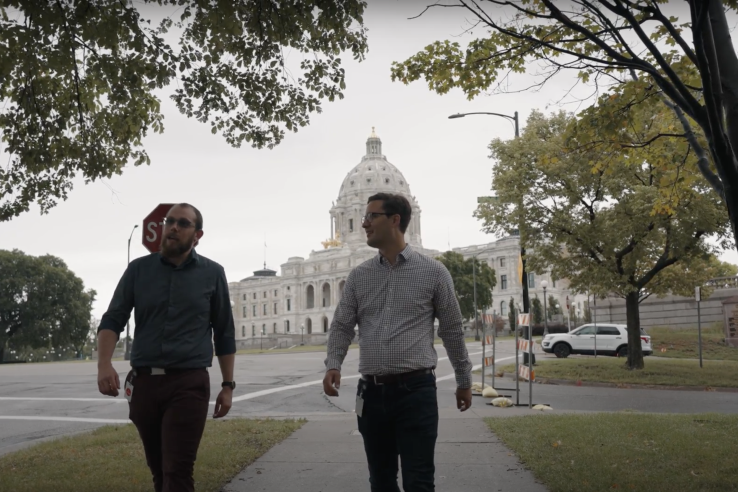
x=181 y=312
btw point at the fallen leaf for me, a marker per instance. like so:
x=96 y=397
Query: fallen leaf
x=695 y=474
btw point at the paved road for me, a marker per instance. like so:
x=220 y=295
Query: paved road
x=39 y=401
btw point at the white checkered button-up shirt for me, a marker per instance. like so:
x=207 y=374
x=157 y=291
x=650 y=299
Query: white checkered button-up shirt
x=395 y=308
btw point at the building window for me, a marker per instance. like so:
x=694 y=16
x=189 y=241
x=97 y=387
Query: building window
x=245 y=311
x=265 y=309
x=554 y=283
x=254 y=295
x=503 y=282
x=243 y=332
x=531 y=280
x=244 y=297
x=265 y=295
x=253 y=330
x=502 y=262
x=253 y=309
x=351 y=225
x=286 y=326
x=275 y=292
x=264 y=329
x=274 y=328
x=288 y=288
x=503 y=308
x=275 y=308
x=289 y=304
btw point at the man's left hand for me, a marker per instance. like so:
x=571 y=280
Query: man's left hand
x=463 y=398
x=224 y=401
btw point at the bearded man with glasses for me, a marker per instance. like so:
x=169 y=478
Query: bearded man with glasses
x=394 y=298
x=183 y=309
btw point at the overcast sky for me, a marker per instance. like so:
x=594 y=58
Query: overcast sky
x=284 y=194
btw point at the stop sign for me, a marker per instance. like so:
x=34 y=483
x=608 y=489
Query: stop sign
x=153 y=227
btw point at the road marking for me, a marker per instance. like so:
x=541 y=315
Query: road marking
x=474 y=368
x=66 y=419
x=256 y=394
x=17 y=398
x=247 y=396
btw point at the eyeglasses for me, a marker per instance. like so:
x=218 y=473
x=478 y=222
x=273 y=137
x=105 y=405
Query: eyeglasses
x=370 y=216
x=181 y=223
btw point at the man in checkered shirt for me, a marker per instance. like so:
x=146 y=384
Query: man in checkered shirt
x=395 y=298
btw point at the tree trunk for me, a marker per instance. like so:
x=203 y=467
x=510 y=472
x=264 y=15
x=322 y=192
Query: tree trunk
x=635 y=352
x=2 y=354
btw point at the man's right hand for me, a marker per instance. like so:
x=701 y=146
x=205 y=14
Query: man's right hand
x=108 y=381
x=332 y=382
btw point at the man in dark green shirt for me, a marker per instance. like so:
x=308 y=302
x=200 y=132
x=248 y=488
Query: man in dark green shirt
x=182 y=310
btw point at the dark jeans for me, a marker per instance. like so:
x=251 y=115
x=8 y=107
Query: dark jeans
x=169 y=412
x=400 y=419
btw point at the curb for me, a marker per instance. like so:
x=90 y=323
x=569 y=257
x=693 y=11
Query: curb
x=569 y=382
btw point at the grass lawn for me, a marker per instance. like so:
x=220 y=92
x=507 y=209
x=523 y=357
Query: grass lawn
x=111 y=458
x=660 y=371
x=626 y=451
x=682 y=344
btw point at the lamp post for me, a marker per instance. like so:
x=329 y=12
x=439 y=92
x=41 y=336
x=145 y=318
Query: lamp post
x=476 y=319
x=302 y=334
x=524 y=275
x=127 y=354
x=544 y=284
x=514 y=119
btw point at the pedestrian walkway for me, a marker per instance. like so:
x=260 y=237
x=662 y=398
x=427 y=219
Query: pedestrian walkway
x=328 y=455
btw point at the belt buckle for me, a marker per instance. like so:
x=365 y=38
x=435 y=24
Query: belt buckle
x=374 y=377
x=158 y=371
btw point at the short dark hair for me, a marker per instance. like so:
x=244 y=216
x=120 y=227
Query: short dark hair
x=395 y=205
x=198 y=215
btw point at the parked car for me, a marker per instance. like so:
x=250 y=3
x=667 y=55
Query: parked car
x=610 y=340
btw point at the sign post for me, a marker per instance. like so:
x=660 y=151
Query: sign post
x=698 y=296
x=153 y=227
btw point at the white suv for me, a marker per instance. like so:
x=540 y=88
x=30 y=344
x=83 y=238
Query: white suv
x=610 y=339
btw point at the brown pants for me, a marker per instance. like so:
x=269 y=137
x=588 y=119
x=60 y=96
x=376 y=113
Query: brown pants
x=169 y=412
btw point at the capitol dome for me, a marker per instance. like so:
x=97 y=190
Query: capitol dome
x=374 y=174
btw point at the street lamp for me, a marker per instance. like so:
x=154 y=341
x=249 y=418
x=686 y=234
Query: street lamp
x=524 y=274
x=514 y=119
x=476 y=319
x=544 y=284
x=302 y=334
x=127 y=354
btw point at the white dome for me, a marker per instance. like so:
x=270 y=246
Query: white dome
x=374 y=174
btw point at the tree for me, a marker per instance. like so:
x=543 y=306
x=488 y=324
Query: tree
x=553 y=308
x=512 y=314
x=536 y=309
x=692 y=66
x=462 y=273
x=79 y=80
x=42 y=303
x=609 y=230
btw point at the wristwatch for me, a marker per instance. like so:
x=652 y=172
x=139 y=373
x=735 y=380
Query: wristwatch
x=228 y=384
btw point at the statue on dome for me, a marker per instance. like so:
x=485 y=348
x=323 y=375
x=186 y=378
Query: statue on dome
x=333 y=243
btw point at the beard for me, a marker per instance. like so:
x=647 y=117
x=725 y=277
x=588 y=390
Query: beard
x=176 y=247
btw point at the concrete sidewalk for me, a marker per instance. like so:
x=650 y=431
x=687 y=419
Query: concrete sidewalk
x=328 y=455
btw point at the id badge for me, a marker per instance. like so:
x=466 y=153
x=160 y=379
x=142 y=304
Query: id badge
x=359 y=405
x=128 y=391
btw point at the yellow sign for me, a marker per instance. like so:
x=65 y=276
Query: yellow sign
x=520 y=268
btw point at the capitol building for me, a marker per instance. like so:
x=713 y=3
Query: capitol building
x=301 y=299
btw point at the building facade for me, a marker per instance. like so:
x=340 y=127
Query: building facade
x=302 y=300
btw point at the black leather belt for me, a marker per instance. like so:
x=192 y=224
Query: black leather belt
x=395 y=378
x=160 y=371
